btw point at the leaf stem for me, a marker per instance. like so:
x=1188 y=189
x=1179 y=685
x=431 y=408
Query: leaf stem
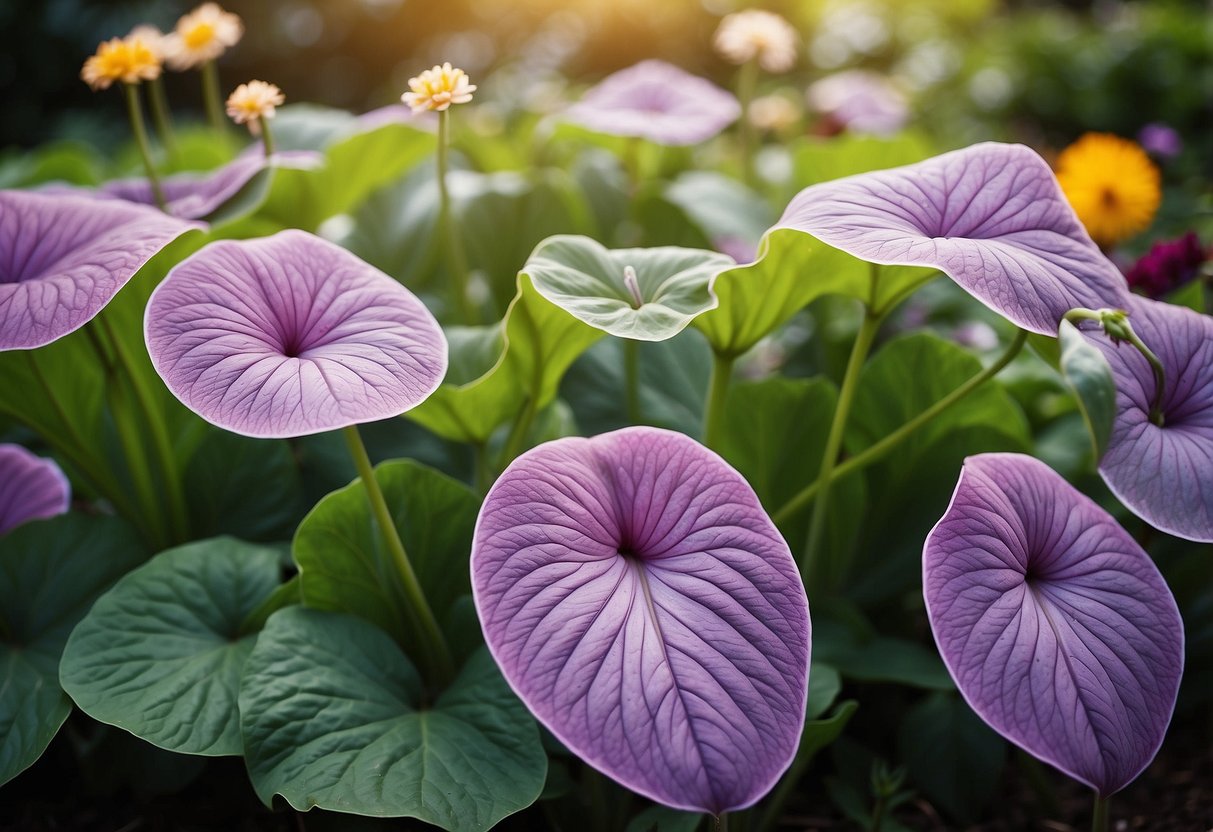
x=211 y=96
x=1116 y=325
x=1099 y=814
x=456 y=261
x=631 y=372
x=153 y=418
x=160 y=114
x=267 y=139
x=874 y=452
x=811 y=564
x=131 y=92
x=718 y=397
x=431 y=640
x=522 y=426
x=747 y=82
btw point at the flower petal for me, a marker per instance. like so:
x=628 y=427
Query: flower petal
x=63 y=258
x=1057 y=627
x=30 y=487
x=656 y=101
x=290 y=335
x=643 y=605
x=1163 y=474
x=990 y=216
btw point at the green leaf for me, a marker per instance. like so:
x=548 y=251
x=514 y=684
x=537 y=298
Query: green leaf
x=225 y=488
x=819 y=160
x=824 y=686
x=721 y=206
x=647 y=294
x=345 y=567
x=673 y=380
x=355 y=164
x=329 y=710
x=952 y=756
x=818 y=733
x=1090 y=377
x=50 y=572
x=540 y=342
x=160 y=655
x=879 y=658
x=909 y=487
x=794 y=268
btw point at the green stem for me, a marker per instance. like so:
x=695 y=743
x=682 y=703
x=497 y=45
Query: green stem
x=432 y=642
x=812 y=565
x=136 y=459
x=718 y=397
x=747 y=82
x=878 y=813
x=722 y=822
x=1116 y=325
x=267 y=139
x=456 y=261
x=153 y=418
x=1099 y=814
x=160 y=114
x=522 y=426
x=136 y=116
x=483 y=476
x=631 y=372
x=212 y=97
x=876 y=451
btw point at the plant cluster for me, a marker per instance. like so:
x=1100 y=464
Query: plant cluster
x=607 y=497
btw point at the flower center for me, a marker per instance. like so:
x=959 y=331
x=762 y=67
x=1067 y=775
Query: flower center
x=1108 y=198
x=200 y=35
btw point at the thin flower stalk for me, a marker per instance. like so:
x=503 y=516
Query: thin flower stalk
x=135 y=113
x=211 y=97
x=456 y=259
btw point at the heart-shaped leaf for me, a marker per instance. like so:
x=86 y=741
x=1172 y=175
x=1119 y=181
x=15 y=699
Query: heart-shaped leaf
x=645 y=608
x=160 y=654
x=50 y=572
x=647 y=294
x=1090 y=377
x=991 y=216
x=344 y=566
x=331 y=718
x=1163 y=473
x=540 y=341
x=1057 y=627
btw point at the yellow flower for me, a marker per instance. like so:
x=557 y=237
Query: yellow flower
x=151 y=36
x=743 y=36
x=129 y=60
x=438 y=89
x=202 y=35
x=252 y=102
x=1111 y=184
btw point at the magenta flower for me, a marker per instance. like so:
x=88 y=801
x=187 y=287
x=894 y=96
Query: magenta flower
x=30 y=487
x=290 y=335
x=656 y=101
x=1167 y=265
x=1057 y=627
x=991 y=217
x=1160 y=140
x=1163 y=473
x=644 y=607
x=63 y=258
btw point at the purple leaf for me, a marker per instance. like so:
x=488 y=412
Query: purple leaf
x=31 y=487
x=656 y=101
x=992 y=217
x=1163 y=474
x=1057 y=627
x=290 y=335
x=194 y=196
x=63 y=258
x=642 y=604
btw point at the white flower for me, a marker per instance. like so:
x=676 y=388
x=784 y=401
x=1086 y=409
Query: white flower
x=438 y=89
x=252 y=102
x=743 y=36
x=202 y=35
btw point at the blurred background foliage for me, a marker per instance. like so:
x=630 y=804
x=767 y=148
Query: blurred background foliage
x=1041 y=72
